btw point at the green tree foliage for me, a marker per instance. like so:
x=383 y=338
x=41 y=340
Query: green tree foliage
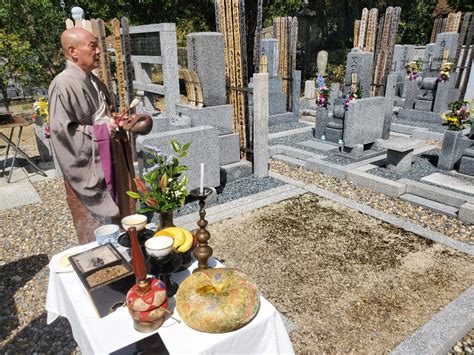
x=462 y=5
x=16 y=61
x=416 y=22
x=37 y=24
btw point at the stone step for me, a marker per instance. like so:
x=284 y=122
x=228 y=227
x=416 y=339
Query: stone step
x=435 y=193
x=432 y=205
x=235 y=171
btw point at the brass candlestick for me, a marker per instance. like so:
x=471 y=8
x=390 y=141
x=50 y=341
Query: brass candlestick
x=202 y=252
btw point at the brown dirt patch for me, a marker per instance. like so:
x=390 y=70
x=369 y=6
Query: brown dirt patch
x=349 y=282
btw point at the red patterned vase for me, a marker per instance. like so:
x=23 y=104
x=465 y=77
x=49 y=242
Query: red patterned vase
x=147 y=308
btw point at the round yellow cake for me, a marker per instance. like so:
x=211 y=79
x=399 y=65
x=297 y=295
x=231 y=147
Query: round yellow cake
x=217 y=300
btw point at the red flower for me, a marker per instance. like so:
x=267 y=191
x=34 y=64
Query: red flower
x=151 y=202
x=140 y=185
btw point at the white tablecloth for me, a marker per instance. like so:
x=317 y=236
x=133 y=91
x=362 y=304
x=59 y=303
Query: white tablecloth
x=66 y=297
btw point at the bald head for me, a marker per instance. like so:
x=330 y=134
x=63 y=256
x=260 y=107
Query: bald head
x=81 y=47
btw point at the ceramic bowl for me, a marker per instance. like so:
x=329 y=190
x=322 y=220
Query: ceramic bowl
x=138 y=221
x=107 y=234
x=159 y=247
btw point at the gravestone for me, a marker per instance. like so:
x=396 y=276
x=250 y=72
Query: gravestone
x=397 y=60
x=156 y=44
x=335 y=88
x=445 y=94
x=204 y=58
x=322 y=117
x=389 y=98
x=269 y=48
x=411 y=88
x=322 y=62
x=309 y=89
x=428 y=66
x=359 y=63
x=296 y=91
x=445 y=41
x=364 y=121
x=260 y=124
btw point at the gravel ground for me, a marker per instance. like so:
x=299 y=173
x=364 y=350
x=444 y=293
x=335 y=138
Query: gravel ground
x=24 y=271
x=232 y=191
x=349 y=282
x=23 y=260
x=424 y=217
x=423 y=165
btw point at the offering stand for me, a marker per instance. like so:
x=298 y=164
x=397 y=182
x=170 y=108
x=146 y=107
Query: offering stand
x=67 y=297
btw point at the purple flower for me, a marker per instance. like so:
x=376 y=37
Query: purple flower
x=154 y=149
x=320 y=81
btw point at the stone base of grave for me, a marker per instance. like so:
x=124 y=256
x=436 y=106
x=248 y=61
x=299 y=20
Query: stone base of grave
x=333 y=134
x=360 y=151
x=467 y=165
x=423 y=105
x=216 y=116
x=204 y=141
x=417 y=115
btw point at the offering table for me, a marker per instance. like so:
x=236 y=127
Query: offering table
x=67 y=297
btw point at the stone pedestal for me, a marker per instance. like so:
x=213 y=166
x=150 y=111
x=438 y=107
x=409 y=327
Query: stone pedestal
x=45 y=148
x=260 y=123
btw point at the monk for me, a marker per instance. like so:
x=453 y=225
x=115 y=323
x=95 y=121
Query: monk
x=93 y=153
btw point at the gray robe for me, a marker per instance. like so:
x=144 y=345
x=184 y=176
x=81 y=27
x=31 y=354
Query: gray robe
x=73 y=101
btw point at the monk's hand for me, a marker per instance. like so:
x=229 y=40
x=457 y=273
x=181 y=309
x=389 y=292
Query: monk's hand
x=112 y=127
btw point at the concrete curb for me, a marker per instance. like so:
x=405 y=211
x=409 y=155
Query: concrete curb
x=376 y=183
x=439 y=334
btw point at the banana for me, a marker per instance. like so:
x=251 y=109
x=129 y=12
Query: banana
x=187 y=245
x=174 y=232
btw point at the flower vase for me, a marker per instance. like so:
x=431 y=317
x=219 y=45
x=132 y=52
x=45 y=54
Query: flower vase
x=166 y=219
x=42 y=141
x=451 y=150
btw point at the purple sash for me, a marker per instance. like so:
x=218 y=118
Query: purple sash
x=101 y=133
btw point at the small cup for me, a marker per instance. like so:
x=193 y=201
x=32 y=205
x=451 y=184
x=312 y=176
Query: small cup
x=107 y=234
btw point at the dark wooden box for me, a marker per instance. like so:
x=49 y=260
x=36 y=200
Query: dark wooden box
x=5 y=117
x=110 y=293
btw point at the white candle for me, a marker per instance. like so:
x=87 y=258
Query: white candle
x=201 y=185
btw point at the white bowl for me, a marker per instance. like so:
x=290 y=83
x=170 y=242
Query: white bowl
x=159 y=247
x=107 y=234
x=135 y=220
